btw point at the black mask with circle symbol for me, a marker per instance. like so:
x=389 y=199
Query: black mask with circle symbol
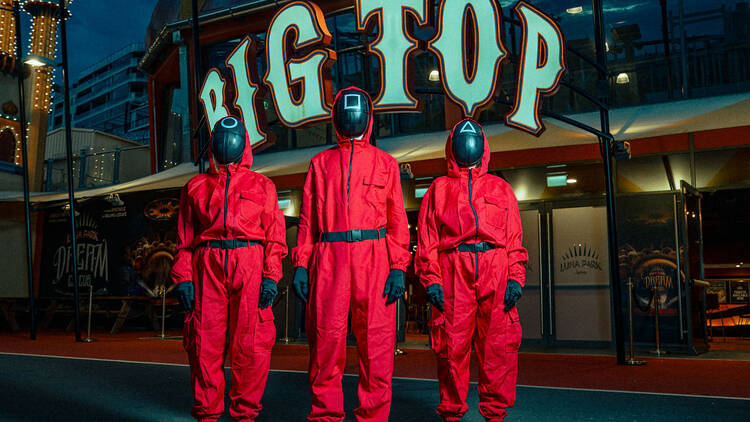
x=228 y=140
x=351 y=113
x=468 y=144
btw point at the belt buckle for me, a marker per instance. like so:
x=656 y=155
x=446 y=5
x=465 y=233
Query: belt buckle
x=354 y=235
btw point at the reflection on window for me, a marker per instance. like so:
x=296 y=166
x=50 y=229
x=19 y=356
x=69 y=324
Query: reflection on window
x=532 y=183
x=174 y=128
x=652 y=173
x=723 y=168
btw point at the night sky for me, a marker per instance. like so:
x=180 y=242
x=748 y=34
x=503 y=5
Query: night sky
x=100 y=28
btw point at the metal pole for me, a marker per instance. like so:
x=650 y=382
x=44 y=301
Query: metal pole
x=632 y=360
x=163 y=310
x=286 y=339
x=88 y=338
x=25 y=159
x=196 y=84
x=69 y=154
x=603 y=86
x=657 y=304
x=162 y=290
x=683 y=50
x=398 y=351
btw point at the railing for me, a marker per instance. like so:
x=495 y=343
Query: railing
x=96 y=169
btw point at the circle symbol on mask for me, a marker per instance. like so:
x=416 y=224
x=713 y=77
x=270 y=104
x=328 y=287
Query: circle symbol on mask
x=228 y=140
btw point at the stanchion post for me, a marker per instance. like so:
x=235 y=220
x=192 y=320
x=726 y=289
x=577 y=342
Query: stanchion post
x=88 y=338
x=286 y=339
x=632 y=361
x=657 y=305
x=398 y=351
x=163 y=310
x=162 y=289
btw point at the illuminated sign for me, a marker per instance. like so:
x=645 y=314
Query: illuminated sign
x=467 y=44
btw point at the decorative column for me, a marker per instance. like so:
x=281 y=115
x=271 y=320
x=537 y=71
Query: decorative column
x=45 y=19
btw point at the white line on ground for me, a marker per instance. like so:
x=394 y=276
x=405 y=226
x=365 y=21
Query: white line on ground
x=397 y=378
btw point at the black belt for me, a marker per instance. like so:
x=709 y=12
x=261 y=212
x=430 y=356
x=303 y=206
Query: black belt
x=352 y=235
x=229 y=243
x=476 y=247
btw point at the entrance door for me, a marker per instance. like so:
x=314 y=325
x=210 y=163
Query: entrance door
x=580 y=275
x=566 y=299
x=530 y=305
x=691 y=242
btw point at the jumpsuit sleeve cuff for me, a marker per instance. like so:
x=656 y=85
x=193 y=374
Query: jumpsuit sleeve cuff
x=399 y=267
x=300 y=260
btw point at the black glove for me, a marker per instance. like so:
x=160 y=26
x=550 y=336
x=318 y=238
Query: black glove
x=394 y=286
x=435 y=296
x=301 y=283
x=268 y=291
x=512 y=294
x=186 y=295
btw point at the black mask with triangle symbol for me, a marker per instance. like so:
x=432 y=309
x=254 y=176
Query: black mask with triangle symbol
x=468 y=144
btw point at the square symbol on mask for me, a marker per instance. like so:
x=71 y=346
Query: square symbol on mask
x=352 y=102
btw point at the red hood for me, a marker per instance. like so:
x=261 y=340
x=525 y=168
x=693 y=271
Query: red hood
x=246 y=161
x=368 y=131
x=453 y=169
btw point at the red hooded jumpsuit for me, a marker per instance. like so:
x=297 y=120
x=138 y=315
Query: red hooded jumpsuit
x=471 y=206
x=353 y=186
x=229 y=202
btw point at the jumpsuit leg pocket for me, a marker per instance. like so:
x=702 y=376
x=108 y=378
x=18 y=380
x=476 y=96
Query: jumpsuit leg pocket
x=265 y=331
x=438 y=336
x=513 y=333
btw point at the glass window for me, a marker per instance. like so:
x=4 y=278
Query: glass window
x=722 y=168
x=541 y=182
x=650 y=173
x=175 y=133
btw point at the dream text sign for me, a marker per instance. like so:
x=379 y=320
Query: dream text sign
x=467 y=44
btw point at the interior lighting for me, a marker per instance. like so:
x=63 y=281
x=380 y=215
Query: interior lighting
x=434 y=76
x=574 y=10
x=623 y=78
x=555 y=180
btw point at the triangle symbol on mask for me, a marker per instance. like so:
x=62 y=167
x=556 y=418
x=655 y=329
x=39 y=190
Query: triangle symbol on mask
x=468 y=128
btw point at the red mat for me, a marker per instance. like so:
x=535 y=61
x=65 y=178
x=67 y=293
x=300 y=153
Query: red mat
x=661 y=375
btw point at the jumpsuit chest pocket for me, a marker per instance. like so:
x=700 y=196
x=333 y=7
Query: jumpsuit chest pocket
x=375 y=190
x=495 y=211
x=250 y=206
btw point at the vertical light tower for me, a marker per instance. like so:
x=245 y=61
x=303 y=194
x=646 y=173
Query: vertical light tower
x=45 y=16
x=7 y=31
x=8 y=63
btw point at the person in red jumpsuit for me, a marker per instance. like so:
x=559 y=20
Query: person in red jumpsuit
x=470 y=259
x=230 y=241
x=353 y=242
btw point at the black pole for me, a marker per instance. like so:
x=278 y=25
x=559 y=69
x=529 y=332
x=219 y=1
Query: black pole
x=614 y=274
x=196 y=83
x=69 y=153
x=25 y=158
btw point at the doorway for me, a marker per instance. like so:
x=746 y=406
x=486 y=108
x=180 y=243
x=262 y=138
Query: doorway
x=567 y=299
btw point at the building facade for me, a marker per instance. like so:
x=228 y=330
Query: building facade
x=109 y=96
x=678 y=92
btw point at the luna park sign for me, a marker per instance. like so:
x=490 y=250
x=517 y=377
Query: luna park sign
x=298 y=61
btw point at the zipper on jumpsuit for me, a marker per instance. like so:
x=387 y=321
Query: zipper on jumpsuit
x=349 y=176
x=476 y=221
x=226 y=208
